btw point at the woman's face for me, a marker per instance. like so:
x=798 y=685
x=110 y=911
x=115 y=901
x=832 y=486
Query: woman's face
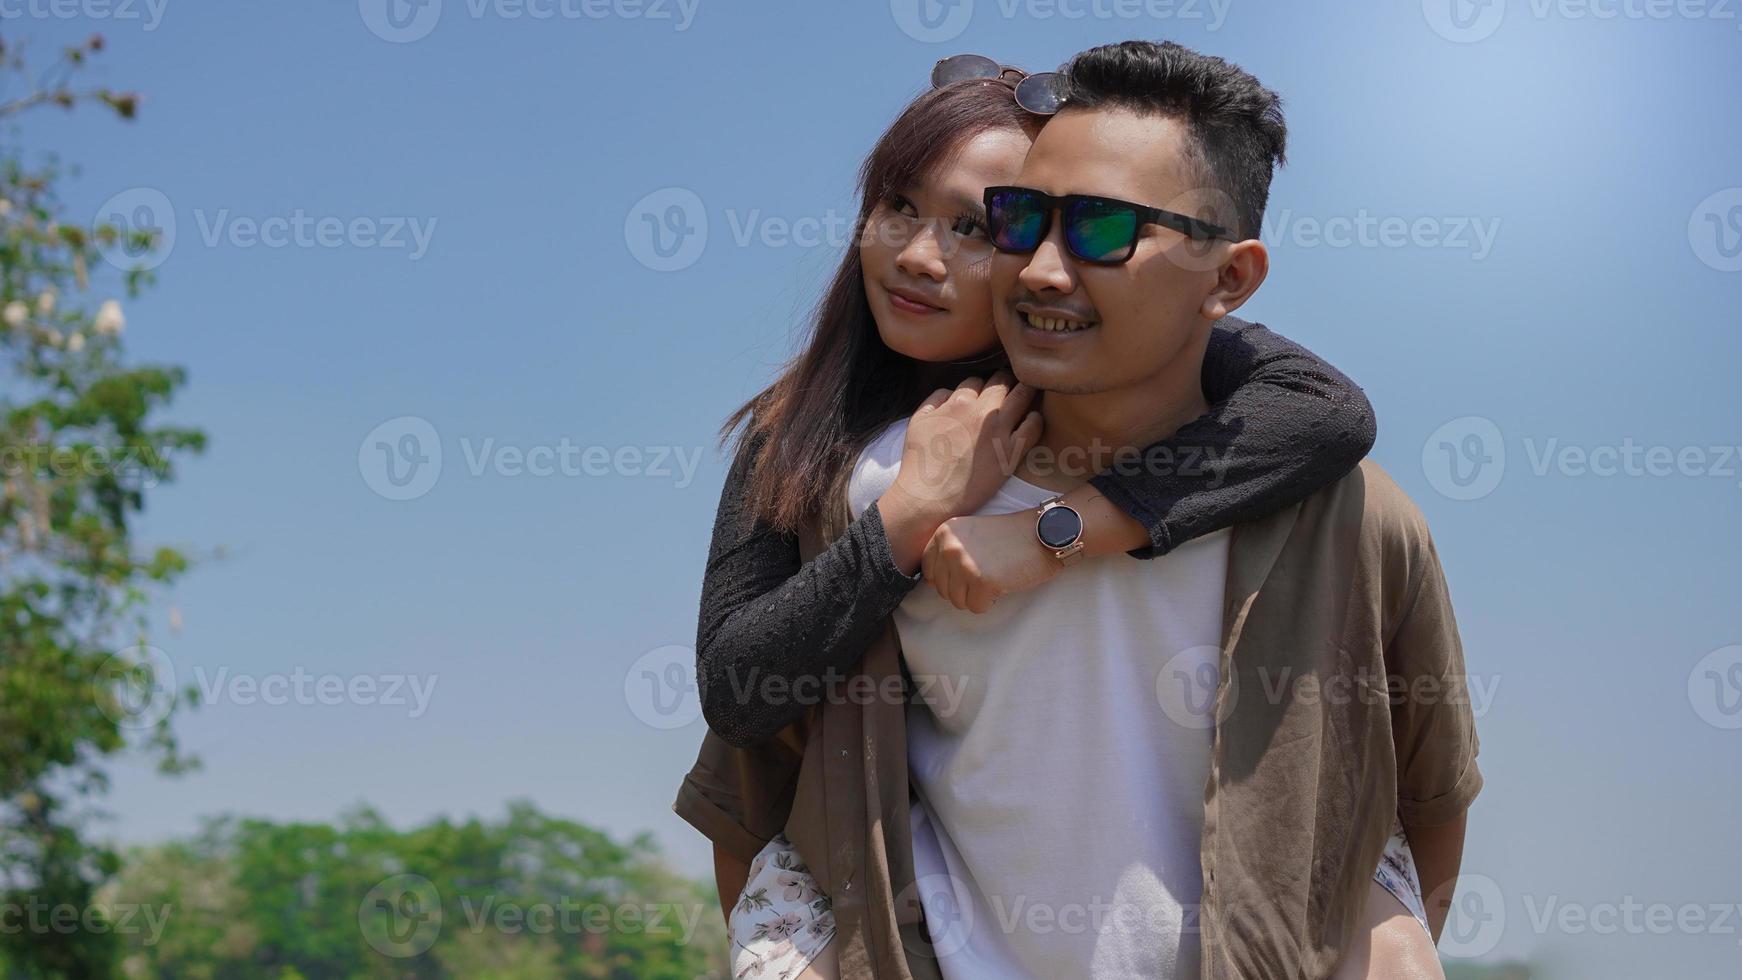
x=927 y=257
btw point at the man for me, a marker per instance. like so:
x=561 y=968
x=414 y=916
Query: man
x=1189 y=766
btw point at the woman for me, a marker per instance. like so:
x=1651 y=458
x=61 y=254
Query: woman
x=908 y=313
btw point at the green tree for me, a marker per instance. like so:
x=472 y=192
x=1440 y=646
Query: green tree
x=78 y=451
x=530 y=897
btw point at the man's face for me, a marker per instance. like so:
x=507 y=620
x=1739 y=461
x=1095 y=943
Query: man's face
x=1126 y=322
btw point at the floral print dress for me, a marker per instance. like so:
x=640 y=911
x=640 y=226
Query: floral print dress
x=1397 y=873
x=782 y=920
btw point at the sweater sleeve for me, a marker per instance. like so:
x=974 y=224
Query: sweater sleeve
x=773 y=629
x=1282 y=424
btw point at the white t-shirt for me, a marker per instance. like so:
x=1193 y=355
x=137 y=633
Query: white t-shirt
x=1060 y=757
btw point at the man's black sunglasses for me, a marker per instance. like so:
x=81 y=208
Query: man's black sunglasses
x=1099 y=230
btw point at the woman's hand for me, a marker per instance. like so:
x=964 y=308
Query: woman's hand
x=975 y=561
x=961 y=446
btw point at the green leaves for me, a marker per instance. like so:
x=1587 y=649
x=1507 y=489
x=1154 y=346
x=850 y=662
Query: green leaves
x=79 y=453
x=529 y=896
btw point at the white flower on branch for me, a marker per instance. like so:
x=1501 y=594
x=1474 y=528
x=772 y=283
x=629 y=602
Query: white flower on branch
x=109 y=320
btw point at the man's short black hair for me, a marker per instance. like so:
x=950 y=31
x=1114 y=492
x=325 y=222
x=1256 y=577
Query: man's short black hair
x=1235 y=122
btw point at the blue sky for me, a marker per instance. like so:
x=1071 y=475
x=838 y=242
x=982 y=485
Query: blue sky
x=1517 y=225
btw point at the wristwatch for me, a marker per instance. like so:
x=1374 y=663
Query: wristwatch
x=1060 y=530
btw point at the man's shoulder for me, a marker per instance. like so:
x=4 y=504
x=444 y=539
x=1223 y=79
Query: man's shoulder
x=884 y=449
x=1385 y=500
x=1369 y=498
x=875 y=469
x=889 y=442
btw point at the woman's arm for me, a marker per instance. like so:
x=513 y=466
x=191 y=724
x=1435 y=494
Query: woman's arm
x=769 y=620
x=730 y=875
x=1439 y=852
x=1388 y=943
x=775 y=632
x=1282 y=424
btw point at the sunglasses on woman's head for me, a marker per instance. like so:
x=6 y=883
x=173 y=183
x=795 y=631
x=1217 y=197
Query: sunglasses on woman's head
x=1098 y=230
x=1041 y=94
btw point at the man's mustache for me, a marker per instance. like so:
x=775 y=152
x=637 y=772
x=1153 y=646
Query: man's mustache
x=1045 y=308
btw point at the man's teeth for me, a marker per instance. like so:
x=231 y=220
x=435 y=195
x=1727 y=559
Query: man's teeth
x=1056 y=325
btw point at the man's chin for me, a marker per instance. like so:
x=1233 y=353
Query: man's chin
x=1046 y=374
x=1068 y=388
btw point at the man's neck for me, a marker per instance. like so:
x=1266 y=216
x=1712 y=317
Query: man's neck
x=1086 y=433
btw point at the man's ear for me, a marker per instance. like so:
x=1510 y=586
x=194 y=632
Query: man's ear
x=1247 y=264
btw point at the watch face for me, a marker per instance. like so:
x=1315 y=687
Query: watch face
x=1059 y=527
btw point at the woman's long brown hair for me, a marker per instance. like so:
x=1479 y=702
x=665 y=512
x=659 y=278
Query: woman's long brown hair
x=846 y=386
